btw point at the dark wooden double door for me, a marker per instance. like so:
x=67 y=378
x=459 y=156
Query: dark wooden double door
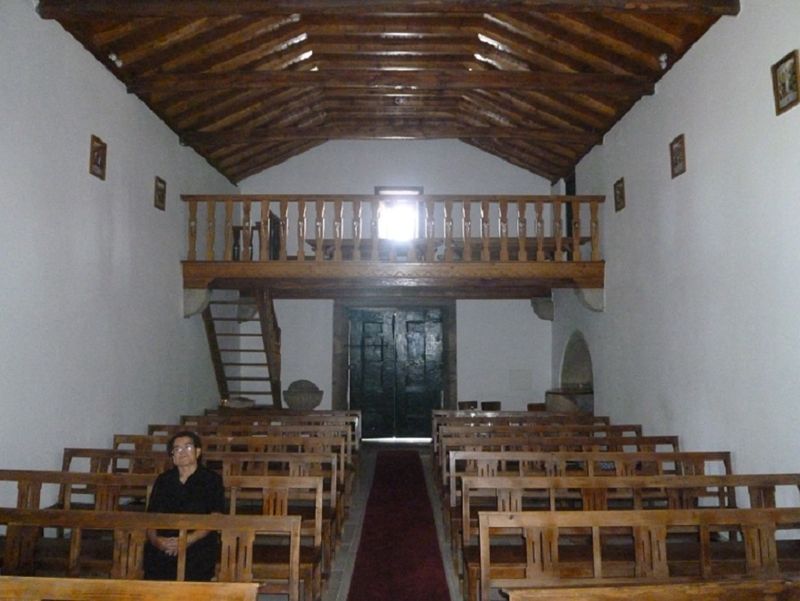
x=396 y=369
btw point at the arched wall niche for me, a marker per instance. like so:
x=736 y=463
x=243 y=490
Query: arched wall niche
x=576 y=367
x=576 y=387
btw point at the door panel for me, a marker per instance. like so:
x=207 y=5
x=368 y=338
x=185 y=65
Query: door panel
x=396 y=369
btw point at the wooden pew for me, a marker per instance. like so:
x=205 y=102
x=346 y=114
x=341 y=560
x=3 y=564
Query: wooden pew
x=286 y=442
x=660 y=545
x=531 y=463
x=604 y=493
x=440 y=417
x=21 y=588
x=126 y=461
x=552 y=444
x=280 y=496
x=123 y=554
x=734 y=590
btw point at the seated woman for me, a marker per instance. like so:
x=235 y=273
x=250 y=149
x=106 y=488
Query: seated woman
x=186 y=488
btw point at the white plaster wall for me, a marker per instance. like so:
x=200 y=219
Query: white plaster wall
x=92 y=338
x=701 y=334
x=517 y=369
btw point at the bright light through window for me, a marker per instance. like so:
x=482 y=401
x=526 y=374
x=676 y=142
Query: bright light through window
x=399 y=215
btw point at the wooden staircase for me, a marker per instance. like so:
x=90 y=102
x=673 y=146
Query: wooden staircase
x=244 y=340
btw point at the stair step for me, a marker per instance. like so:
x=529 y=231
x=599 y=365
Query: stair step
x=238 y=379
x=241 y=350
x=235 y=334
x=238 y=364
x=233 y=319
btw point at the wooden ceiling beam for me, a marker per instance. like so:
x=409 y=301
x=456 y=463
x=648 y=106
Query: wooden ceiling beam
x=613 y=85
x=374 y=131
x=116 y=9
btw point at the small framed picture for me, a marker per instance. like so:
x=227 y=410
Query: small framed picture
x=619 y=194
x=97 y=158
x=785 y=75
x=677 y=156
x=160 y=194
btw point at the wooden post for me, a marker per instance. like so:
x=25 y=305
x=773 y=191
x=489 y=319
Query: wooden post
x=319 y=229
x=485 y=231
x=558 y=253
x=430 y=231
x=247 y=232
x=356 y=230
x=504 y=230
x=522 y=230
x=211 y=229
x=264 y=232
x=595 y=230
x=448 y=230
x=467 y=231
x=337 y=229
x=191 y=255
x=376 y=216
x=228 y=254
x=301 y=230
x=539 y=231
x=284 y=217
x=576 y=230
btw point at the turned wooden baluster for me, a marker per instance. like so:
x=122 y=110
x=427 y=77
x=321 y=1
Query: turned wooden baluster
x=412 y=245
x=228 y=255
x=595 y=230
x=373 y=226
x=430 y=223
x=448 y=231
x=319 y=228
x=485 y=231
x=301 y=230
x=559 y=254
x=211 y=229
x=264 y=232
x=192 y=254
x=522 y=230
x=467 y=232
x=247 y=233
x=337 y=230
x=539 y=231
x=503 y=230
x=356 y=230
x=284 y=217
x=576 y=230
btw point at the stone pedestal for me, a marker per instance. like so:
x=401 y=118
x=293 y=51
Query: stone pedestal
x=564 y=400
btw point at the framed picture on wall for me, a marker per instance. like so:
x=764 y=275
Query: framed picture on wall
x=677 y=156
x=785 y=76
x=619 y=194
x=160 y=194
x=97 y=158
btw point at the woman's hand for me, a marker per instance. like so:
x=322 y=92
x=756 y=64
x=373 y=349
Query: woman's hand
x=167 y=544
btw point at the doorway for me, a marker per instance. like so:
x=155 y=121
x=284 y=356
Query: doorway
x=398 y=366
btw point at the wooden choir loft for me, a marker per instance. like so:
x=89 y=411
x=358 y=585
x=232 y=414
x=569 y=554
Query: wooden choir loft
x=264 y=241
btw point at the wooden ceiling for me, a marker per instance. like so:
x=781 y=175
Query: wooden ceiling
x=251 y=83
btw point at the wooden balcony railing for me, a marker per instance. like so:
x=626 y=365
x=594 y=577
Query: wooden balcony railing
x=482 y=236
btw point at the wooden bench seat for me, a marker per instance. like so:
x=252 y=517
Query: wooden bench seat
x=281 y=496
x=24 y=533
x=660 y=544
x=528 y=463
x=735 y=590
x=21 y=588
x=602 y=493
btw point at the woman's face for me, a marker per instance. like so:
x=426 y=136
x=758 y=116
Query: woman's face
x=184 y=453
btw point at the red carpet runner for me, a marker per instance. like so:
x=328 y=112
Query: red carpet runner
x=398 y=557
